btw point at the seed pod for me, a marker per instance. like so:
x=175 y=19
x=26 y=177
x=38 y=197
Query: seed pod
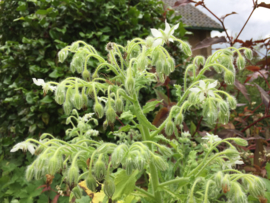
x=99 y=170
x=232 y=102
x=73 y=175
x=169 y=128
x=130 y=85
x=229 y=77
x=110 y=115
x=171 y=64
x=186 y=48
x=77 y=192
x=30 y=173
x=248 y=53
x=240 y=62
x=155 y=56
x=67 y=107
x=86 y=75
x=98 y=109
x=179 y=119
x=60 y=93
x=91 y=183
x=240 y=141
x=78 y=101
x=62 y=55
x=109 y=187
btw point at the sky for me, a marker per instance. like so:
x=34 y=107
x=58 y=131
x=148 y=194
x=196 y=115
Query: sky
x=258 y=26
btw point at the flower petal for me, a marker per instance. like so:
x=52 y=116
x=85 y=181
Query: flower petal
x=157 y=42
x=38 y=82
x=167 y=28
x=196 y=89
x=202 y=84
x=212 y=85
x=31 y=148
x=211 y=93
x=171 y=39
x=201 y=97
x=174 y=28
x=156 y=33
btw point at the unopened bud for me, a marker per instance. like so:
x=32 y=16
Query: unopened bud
x=240 y=141
x=149 y=41
x=248 y=54
x=179 y=119
x=218 y=68
x=118 y=154
x=155 y=57
x=159 y=66
x=98 y=109
x=78 y=101
x=109 y=187
x=74 y=46
x=67 y=107
x=171 y=64
x=231 y=153
x=200 y=60
x=169 y=128
x=227 y=52
x=110 y=115
x=232 y=102
x=192 y=98
x=62 y=55
x=223 y=106
x=91 y=183
x=54 y=165
x=186 y=48
x=166 y=68
x=99 y=170
x=119 y=105
x=86 y=75
x=85 y=100
x=77 y=192
x=229 y=77
x=240 y=62
x=73 y=175
x=218 y=179
x=60 y=93
x=166 y=151
x=223 y=118
x=130 y=85
x=30 y=173
x=159 y=162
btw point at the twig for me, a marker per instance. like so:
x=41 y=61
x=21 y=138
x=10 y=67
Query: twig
x=197 y=127
x=265 y=79
x=268 y=116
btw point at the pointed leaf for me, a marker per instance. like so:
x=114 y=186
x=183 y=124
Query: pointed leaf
x=209 y=41
x=263 y=5
x=242 y=89
x=124 y=184
x=253 y=68
x=150 y=106
x=223 y=17
x=265 y=97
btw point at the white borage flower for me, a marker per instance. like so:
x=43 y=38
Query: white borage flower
x=24 y=146
x=164 y=36
x=45 y=86
x=211 y=138
x=204 y=89
x=87 y=116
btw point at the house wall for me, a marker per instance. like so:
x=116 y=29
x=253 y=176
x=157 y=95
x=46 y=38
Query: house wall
x=199 y=35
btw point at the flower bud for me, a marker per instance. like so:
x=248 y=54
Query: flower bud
x=231 y=68
x=109 y=187
x=155 y=56
x=77 y=192
x=240 y=62
x=118 y=154
x=78 y=101
x=229 y=77
x=218 y=69
x=248 y=53
x=91 y=183
x=159 y=162
x=105 y=125
x=166 y=151
x=78 y=62
x=40 y=173
x=119 y=106
x=86 y=75
x=73 y=175
x=211 y=117
x=129 y=165
x=99 y=170
x=223 y=118
x=67 y=107
x=142 y=63
x=231 y=153
x=54 y=165
x=226 y=184
x=186 y=48
x=85 y=100
x=237 y=193
x=223 y=106
x=200 y=60
x=192 y=98
x=98 y=109
x=110 y=115
x=218 y=179
x=149 y=41
x=161 y=77
x=227 y=52
x=139 y=163
x=62 y=55
x=130 y=85
x=159 y=66
x=41 y=162
x=232 y=102
x=74 y=46
x=171 y=64
x=60 y=93
x=169 y=127
x=30 y=173
x=179 y=119
x=240 y=141
x=257 y=188
x=166 y=68
x=72 y=66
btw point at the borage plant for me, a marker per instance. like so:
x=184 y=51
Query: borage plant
x=173 y=170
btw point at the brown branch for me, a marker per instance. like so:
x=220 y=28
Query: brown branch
x=255 y=123
x=197 y=127
x=264 y=79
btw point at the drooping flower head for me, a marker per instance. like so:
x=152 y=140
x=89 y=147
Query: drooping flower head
x=24 y=146
x=46 y=87
x=204 y=89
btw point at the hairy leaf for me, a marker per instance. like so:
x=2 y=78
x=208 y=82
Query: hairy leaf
x=242 y=89
x=264 y=96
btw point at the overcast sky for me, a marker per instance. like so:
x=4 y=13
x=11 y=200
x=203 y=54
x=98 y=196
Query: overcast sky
x=258 y=26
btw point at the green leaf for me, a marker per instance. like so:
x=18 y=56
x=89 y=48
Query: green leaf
x=46 y=99
x=150 y=106
x=124 y=129
x=124 y=184
x=267 y=168
x=55 y=74
x=84 y=199
x=45 y=118
x=127 y=115
x=44 y=12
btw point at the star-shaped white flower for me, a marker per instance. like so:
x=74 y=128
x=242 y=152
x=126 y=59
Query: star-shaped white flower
x=45 y=86
x=24 y=146
x=204 y=89
x=163 y=36
x=211 y=138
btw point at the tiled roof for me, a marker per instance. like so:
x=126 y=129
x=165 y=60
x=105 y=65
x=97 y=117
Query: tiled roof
x=193 y=17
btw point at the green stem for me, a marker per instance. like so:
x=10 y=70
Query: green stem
x=206 y=191
x=145 y=193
